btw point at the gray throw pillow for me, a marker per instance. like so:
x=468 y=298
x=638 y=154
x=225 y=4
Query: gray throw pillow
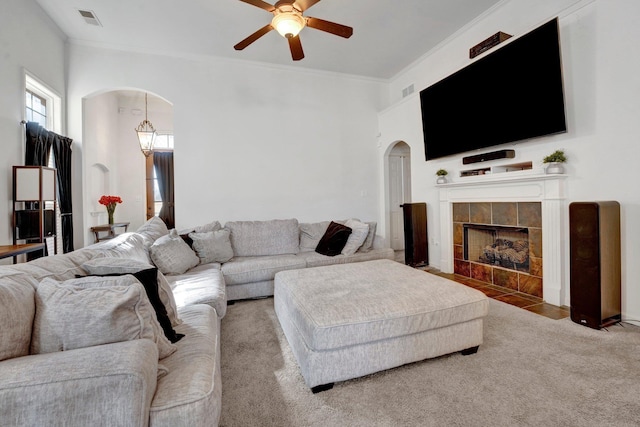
x=368 y=242
x=310 y=235
x=17 y=310
x=212 y=246
x=104 y=266
x=92 y=311
x=172 y=255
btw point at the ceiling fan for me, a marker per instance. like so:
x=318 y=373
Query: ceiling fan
x=289 y=21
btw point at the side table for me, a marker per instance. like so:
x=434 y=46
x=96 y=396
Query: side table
x=109 y=229
x=7 y=251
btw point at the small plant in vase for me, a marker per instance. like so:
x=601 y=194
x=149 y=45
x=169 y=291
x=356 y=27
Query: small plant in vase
x=555 y=161
x=442 y=176
x=110 y=203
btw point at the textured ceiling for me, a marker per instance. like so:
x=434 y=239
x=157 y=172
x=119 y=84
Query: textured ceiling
x=388 y=35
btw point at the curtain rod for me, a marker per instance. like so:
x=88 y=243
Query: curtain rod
x=22 y=122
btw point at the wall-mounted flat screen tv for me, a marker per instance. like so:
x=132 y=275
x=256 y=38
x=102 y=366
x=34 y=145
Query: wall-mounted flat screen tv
x=512 y=94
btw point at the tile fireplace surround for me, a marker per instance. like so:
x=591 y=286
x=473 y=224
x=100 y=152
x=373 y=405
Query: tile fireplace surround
x=514 y=187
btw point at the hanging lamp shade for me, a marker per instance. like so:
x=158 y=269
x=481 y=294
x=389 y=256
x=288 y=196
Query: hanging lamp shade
x=146 y=133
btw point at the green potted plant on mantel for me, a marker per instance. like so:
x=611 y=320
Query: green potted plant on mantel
x=442 y=176
x=555 y=161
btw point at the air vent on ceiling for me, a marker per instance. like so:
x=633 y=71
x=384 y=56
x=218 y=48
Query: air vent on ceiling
x=90 y=17
x=407 y=91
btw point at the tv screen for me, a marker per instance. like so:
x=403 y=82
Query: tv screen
x=512 y=94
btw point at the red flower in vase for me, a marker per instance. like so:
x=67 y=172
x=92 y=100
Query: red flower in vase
x=110 y=203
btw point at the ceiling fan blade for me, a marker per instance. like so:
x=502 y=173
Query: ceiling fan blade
x=253 y=37
x=330 y=27
x=296 y=48
x=261 y=4
x=305 y=4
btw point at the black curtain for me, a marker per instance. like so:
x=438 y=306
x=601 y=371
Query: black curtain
x=39 y=143
x=163 y=162
x=62 y=157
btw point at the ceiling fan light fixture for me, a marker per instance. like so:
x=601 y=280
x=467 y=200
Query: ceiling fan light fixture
x=288 y=24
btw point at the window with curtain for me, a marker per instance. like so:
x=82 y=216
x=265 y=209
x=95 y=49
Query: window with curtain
x=44 y=107
x=159 y=176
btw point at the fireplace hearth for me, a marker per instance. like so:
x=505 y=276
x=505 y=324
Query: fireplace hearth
x=500 y=243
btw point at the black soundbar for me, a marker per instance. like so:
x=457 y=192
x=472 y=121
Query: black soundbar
x=494 y=155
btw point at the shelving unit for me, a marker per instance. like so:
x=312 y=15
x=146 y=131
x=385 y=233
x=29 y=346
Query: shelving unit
x=34 y=204
x=514 y=167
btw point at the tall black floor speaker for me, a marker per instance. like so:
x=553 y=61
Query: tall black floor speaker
x=594 y=232
x=416 y=251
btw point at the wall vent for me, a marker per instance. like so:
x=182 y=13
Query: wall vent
x=90 y=17
x=407 y=91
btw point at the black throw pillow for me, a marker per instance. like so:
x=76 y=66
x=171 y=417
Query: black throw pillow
x=149 y=280
x=334 y=239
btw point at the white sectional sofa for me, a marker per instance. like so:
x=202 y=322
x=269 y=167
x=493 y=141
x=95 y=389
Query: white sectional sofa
x=124 y=383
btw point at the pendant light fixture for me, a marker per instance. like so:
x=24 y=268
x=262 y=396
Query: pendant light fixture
x=146 y=133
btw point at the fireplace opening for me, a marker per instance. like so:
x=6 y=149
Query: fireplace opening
x=506 y=247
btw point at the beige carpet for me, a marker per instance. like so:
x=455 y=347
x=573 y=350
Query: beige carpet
x=530 y=371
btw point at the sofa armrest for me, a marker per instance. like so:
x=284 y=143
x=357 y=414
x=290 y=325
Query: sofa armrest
x=106 y=385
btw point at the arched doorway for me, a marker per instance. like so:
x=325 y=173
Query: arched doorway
x=399 y=191
x=109 y=139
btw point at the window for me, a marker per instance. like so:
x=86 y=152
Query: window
x=36 y=110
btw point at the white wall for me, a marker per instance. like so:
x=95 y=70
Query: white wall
x=28 y=40
x=252 y=141
x=600 y=64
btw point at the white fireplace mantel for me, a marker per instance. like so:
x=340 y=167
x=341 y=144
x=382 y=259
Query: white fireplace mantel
x=547 y=189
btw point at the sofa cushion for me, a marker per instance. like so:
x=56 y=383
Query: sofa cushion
x=310 y=235
x=172 y=255
x=203 y=284
x=371 y=234
x=212 y=246
x=256 y=269
x=91 y=311
x=262 y=238
x=17 y=310
x=359 y=231
x=334 y=239
x=126 y=245
x=106 y=266
x=191 y=393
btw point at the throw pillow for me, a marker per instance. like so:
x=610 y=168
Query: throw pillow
x=368 y=242
x=357 y=237
x=172 y=255
x=105 y=266
x=334 y=239
x=17 y=310
x=152 y=230
x=92 y=311
x=149 y=279
x=212 y=226
x=212 y=246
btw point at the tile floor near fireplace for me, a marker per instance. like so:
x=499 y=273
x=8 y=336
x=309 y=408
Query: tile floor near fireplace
x=519 y=299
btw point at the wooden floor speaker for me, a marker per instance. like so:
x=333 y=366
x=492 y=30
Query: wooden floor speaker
x=594 y=231
x=416 y=251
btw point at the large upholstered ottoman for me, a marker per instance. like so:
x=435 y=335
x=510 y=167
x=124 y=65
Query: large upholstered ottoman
x=349 y=320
